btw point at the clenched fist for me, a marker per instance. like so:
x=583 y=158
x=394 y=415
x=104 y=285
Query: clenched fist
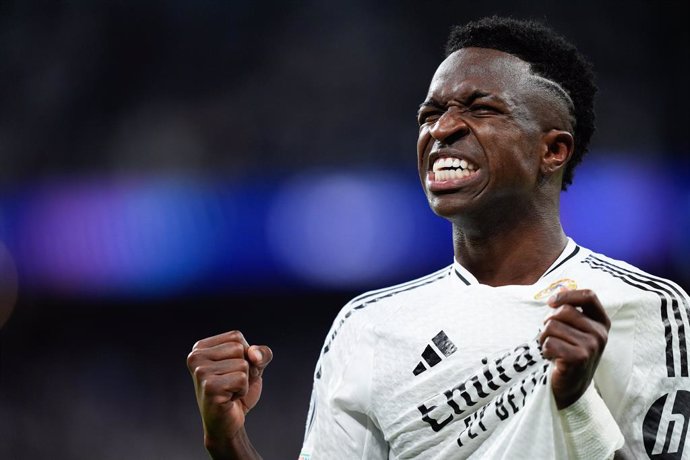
x=574 y=338
x=227 y=375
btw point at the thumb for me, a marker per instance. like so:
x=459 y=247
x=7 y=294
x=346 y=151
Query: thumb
x=259 y=357
x=552 y=301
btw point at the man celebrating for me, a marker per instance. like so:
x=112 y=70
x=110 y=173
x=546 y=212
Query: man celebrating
x=528 y=345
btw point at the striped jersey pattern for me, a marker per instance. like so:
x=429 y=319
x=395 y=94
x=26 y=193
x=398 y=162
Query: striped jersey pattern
x=673 y=311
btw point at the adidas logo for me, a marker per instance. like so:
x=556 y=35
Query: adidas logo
x=440 y=347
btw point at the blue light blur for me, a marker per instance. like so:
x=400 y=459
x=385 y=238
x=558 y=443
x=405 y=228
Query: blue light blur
x=135 y=236
x=627 y=209
x=341 y=229
x=323 y=229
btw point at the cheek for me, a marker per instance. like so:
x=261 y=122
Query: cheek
x=511 y=153
x=528 y=152
x=423 y=145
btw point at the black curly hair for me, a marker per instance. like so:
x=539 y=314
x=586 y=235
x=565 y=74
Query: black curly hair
x=550 y=56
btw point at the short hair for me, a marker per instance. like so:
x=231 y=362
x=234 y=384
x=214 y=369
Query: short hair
x=550 y=56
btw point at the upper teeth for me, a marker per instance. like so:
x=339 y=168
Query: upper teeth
x=447 y=162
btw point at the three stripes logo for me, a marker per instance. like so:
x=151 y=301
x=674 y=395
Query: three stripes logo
x=440 y=347
x=674 y=311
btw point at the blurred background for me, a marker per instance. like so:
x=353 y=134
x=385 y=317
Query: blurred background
x=172 y=170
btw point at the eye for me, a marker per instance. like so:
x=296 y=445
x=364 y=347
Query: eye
x=483 y=109
x=427 y=117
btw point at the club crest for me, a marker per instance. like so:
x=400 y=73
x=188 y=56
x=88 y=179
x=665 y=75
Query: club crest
x=554 y=287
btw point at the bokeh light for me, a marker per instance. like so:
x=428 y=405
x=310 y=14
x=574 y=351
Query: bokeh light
x=324 y=228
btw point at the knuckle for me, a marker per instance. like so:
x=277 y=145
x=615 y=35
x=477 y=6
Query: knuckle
x=199 y=373
x=192 y=359
x=592 y=345
x=546 y=346
x=607 y=324
x=236 y=335
x=602 y=338
x=570 y=310
x=202 y=344
x=235 y=349
x=588 y=293
x=565 y=312
x=243 y=366
x=238 y=375
x=548 y=328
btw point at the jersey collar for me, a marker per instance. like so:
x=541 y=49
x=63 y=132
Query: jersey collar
x=570 y=250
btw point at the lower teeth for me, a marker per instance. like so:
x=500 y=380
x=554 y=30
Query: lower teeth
x=450 y=174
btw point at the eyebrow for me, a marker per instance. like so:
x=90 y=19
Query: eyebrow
x=431 y=102
x=474 y=95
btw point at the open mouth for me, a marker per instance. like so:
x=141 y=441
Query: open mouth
x=451 y=168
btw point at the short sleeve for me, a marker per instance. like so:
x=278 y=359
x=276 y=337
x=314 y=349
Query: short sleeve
x=339 y=423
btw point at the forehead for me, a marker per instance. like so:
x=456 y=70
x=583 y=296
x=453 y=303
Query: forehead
x=487 y=70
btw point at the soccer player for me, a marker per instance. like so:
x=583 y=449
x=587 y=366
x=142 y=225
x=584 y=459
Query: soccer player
x=528 y=345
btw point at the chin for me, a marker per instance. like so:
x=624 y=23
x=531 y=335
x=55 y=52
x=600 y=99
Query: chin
x=448 y=208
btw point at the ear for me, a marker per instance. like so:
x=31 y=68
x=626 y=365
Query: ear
x=558 y=148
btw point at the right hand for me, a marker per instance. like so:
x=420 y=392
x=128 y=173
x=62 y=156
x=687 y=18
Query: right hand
x=227 y=376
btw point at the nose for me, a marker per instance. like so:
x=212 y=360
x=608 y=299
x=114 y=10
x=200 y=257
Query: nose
x=449 y=127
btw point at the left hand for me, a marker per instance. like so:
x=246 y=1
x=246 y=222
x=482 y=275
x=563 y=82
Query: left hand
x=574 y=338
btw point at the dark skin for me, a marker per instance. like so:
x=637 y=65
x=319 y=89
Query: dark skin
x=487 y=108
x=228 y=378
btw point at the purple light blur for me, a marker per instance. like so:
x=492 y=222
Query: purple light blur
x=333 y=229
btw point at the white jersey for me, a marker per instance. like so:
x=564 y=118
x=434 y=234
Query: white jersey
x=444 y=367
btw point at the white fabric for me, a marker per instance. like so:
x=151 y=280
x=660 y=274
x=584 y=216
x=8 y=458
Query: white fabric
x=588 y=427
x=489 y=395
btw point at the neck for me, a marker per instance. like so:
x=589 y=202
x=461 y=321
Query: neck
x=509 y=251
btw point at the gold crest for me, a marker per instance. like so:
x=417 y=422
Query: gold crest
x=554 y=287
